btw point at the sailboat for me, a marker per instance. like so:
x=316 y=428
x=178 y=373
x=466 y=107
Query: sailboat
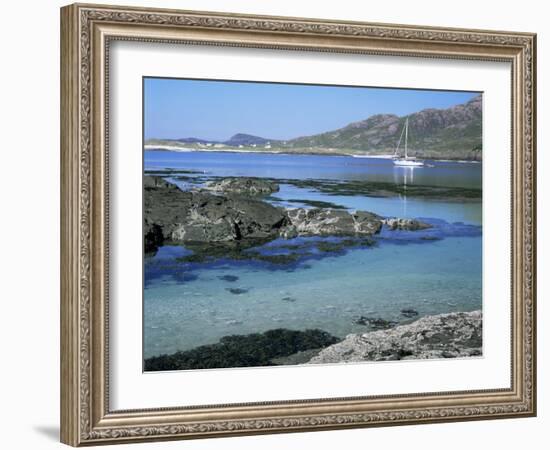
x=406 y=161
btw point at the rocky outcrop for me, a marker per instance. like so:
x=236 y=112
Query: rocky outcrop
x=441 y=336
x=194 y=216
x=243 y=185
x=395 y=223
x=199 y=216
x=331 y=222
x=214 y=215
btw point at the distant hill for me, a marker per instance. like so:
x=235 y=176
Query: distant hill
x=452 y=133
x=193 y=140
x=434 y=133
x=246 y=139
x=234 y=141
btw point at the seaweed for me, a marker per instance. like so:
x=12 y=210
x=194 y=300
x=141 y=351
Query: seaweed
x=256 y=349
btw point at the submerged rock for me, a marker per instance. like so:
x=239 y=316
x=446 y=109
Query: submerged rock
x=409 y=312
x=243 y=185
x=237 y=291
x=440 y=336
x=375 y=323
x=229 y=278
x=382 y=189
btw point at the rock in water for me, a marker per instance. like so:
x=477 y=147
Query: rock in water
x=409 y=312
x=441 y=336
x=243 y=185
x=375 y=323
x=237 y=291
x=201 y=217
x=325 y=222
x=229 y=278
x=153 y=237
x=193 y=216
x=395 y=223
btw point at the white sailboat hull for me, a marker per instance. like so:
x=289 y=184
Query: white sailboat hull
x=408 y=163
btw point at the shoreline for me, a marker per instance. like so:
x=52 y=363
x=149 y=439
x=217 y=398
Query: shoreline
x=178 y=149
x=439 y=336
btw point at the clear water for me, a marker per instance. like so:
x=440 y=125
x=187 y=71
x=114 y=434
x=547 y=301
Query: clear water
x=187 y=305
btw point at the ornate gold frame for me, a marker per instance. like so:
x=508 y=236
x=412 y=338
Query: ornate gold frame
x=86 y=31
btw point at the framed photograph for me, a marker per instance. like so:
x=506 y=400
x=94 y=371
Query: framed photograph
x=276 y=224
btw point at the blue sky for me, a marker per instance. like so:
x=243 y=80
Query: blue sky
x=216 y=110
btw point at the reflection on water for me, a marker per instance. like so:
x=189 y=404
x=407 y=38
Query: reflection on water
x=404 y=176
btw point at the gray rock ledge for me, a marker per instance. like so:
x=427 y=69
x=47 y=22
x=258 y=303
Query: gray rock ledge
x=450 y=335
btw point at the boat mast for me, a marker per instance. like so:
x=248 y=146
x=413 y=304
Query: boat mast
x=406 y=135
x=396 y=153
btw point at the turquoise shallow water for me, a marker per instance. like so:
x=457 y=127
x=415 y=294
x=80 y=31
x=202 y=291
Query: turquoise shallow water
x=190 y=305
x=432 y=278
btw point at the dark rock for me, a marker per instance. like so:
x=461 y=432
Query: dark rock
x=243 y=185
x=153 y=237
x=288 y=299
x=229 y=278
x=409 y=312
x=315 y=203
x=376 y=323
x=344 y=244
x=257 y=349
x=237 y=291
x=224 y=226
x=238 y=251
x=202 y=217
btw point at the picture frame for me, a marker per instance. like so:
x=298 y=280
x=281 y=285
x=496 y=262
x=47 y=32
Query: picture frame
x=87 y=32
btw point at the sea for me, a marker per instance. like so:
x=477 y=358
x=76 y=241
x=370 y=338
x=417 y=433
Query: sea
x=432 y=272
